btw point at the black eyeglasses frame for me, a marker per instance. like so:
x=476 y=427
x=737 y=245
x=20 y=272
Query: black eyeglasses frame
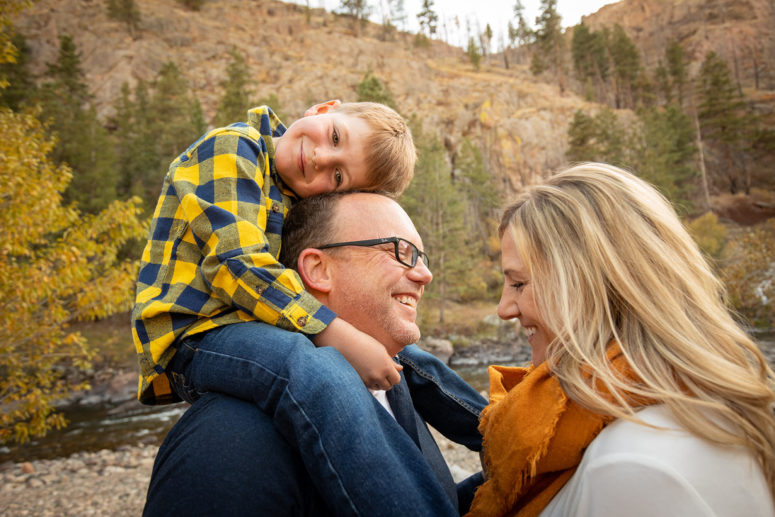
x=416 y=253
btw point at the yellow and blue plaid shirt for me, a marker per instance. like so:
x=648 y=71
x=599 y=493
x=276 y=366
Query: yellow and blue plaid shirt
x=211 y=256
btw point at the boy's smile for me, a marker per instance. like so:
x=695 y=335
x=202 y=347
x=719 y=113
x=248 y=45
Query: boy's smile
x=323 y=152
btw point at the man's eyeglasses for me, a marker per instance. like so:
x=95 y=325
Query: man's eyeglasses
x=406 y=252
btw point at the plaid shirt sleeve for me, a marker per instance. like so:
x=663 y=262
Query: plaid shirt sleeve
x=213 y=248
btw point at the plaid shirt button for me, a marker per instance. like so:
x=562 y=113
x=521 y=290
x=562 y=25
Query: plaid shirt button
x=301 y=321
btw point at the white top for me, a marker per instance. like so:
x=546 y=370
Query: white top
x=632 y=470
x=381 y=396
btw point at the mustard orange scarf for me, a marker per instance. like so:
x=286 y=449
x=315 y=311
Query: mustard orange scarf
x=534 y=438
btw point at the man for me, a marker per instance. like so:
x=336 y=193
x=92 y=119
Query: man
x=321 y=443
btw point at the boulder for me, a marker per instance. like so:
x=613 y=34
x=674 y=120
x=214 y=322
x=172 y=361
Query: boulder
x=441 y=348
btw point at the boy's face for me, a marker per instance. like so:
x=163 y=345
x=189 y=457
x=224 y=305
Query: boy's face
x=322 y=152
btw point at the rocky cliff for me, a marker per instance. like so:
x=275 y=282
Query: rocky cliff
x=305 y=57
x=521 y=125
x=741 y=31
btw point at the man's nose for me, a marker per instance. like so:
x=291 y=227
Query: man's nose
x=420 y=273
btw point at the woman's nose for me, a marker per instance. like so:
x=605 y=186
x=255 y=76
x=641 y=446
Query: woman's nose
x=507 y=307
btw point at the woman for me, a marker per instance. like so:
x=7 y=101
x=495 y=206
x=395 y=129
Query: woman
x=644 y=396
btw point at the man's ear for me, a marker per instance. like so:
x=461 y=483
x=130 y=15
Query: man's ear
x=313 y=268
x=323 y=107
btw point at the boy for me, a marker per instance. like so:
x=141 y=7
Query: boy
x=211 y=256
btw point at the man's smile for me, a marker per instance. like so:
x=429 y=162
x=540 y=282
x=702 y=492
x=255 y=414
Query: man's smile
x=406 y=299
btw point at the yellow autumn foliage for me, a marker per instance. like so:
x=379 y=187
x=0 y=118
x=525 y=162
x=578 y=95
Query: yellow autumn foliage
x=57 y=266
x=709 y=234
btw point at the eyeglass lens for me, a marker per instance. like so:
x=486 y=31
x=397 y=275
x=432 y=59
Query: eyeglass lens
x=408 y=253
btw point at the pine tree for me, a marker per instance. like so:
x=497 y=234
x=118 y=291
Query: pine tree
x=722 y=116
x=486 y=40
x=358 y=9
x=662 y=81
x=21 y=89
x=581 y=136
x=482 y=194
x=520 y=35
x=125 y=11
x=393 y=17
x=549 y=45
x=174 y=109
x=438 y=210
x=397 y=12
x=666 y=154
x=626 y=66
x=151 y=129
x=581 y=42
x=235 y=102
x=67 y=74
x=428 y=18
x=522 y=32
x=140 y=168
x=371 y=89
x=590 y=60
x=82 y=141
x=601 y=138
x=472 y=51
x=678 y=68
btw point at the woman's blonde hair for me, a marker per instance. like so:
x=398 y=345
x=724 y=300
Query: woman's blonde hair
x=610 y=261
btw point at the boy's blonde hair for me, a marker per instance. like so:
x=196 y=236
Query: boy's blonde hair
x=390 y=153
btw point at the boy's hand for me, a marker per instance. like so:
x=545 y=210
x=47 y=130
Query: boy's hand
x=367 y=355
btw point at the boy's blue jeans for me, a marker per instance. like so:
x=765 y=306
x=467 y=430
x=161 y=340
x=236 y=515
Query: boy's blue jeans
x=357 y=455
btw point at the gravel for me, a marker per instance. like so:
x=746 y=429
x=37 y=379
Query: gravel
x=114 y=483
x=111 y=483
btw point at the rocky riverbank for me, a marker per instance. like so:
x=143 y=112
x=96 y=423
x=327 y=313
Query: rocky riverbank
x=88 y=483
x=114 y=483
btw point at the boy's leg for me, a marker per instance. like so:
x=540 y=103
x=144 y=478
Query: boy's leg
x=244 y=360
x=442 y=397
x=364 y=462
x=358 y=456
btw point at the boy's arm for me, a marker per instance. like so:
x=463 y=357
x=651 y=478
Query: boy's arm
x=367 y=355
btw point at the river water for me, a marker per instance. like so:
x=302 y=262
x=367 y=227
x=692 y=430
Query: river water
x=109 y=426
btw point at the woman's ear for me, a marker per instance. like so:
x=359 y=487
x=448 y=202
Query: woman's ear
x=313 y=268
x=323 y=107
